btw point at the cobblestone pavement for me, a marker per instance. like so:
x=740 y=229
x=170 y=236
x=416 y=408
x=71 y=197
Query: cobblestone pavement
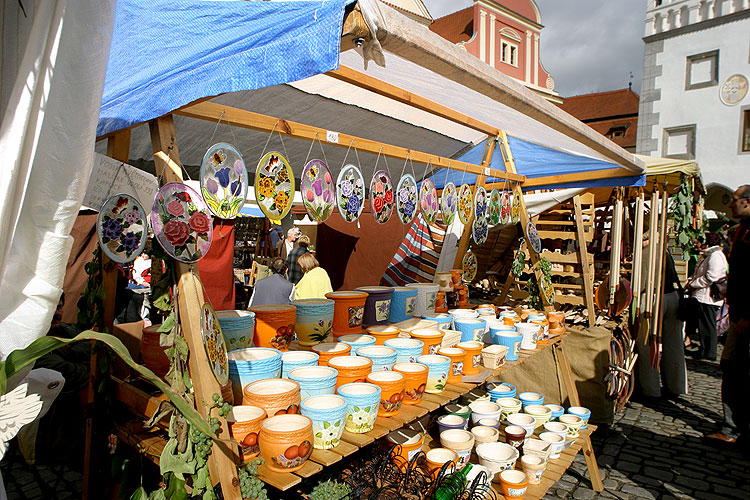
x=655 y=450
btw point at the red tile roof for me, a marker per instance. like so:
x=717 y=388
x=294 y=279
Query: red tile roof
x=456 y=27
x=602 y=105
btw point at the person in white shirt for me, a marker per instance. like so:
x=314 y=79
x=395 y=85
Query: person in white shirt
x=291 y=237
x=711 y=268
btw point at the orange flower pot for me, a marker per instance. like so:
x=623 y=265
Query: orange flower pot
x=456 y=275
x=328 y=350
x=350 y=368
x=514 y=484
x=437 y=457
x=274 y=325
x=392 y=385
x=410 y=443
x=431 y=338
x=278 y=396
x=415 y=381
x=244 y=426
x=473 y=356
x=348 y=311
x=457 y=357
x=556 y=320
x=286 y=442
x=383 y=333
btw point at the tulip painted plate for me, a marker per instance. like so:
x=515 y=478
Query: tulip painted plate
x=381 y=196
x=181 y=222
x=318 y=190
x=515 y=209
x=350 y=193
x=505 y=200
x=465 y=203
x=479 y=230
x=406 y=198
x=532 y=235
x=122 y=228
x=448 y=203
x=493 y=208
x=213 y=342
x=469 y=266
x=480 y=204
x=223 y=180
x=274 y=185
x=428 y=201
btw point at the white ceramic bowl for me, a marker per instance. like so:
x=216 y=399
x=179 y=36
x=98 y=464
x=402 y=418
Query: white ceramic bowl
x=484 y=409
x=527 y=422
x=497 y=456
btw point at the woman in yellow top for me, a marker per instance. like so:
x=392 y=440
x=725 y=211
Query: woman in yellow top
x=315 y=284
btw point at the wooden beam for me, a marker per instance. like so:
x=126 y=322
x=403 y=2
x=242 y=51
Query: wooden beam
x=612 y=173
x=354 y=31
x=211 y=111
x=588 y=282
x=223 y=461
x=635 y=275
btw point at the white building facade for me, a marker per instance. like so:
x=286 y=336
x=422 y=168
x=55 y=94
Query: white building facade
x=695 y=101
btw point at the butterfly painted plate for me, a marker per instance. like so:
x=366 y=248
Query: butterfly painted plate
x=223 y=180
x=465 y=203
x=213 y=343
x=428 y=201
x=318 y=190
x=479 y=230
x=381 y=196
x=274 y=185
x=480 y=204
x=532 y=236
x=493 y=208
x=515 y=209
x=469 y=266
x=406 y=198
x=181 y=222
x=448 y=203
x=505 y=200
x=122 y=228
x=350 y=193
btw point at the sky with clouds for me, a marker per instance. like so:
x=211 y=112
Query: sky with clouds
x=586 y=45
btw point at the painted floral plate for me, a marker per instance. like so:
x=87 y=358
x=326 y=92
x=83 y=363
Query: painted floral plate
x=122 y=228
x=493 y=208
x=469 y=266
x=479 y=231
x=532 y=236
x=515 y=209
x=406 y=198
x=274 y=185
x=223 y=180
x=545 y=285
x=465 y=203
x=381 y=196
x=505 y=200
x=213 y=342
x=428 y=201
x=448 y=203
x=480 y=203
x=318 y=190
x=181 y=223
x=350 y=193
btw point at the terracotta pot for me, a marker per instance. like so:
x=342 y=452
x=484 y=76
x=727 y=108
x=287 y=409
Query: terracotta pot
x=514 y=484
x=348 y=311
x=473 y=356
x=314 y=380
x=415 y=381
x=383 y=357
x=314 y=322
x=457 y=356
x=392 y=390
x=328 y=415
x=152 y=353
x=461 y=442
x=457 y=275
x=431 y=338
x=286 y=442
x=403 y=300
x=377 y=305
x=350 y=369
x=438 y=371
x=363 y=401
x=515 y=436
x=533 y=466
x=357 y=340
x=484 y=434
x=274 y=325
x=556 y=320
x=277 y=396
x=251 y=364
x=426 y=297
x=407 y=350
x=297 y=359
x=244 y=426
x=410 y=443
x=441 y=303
x=328 y=350
x=437 y=457
x=383 y=333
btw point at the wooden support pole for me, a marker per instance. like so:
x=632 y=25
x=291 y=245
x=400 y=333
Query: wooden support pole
x=614 y=253
x=583 y=255
x=636 y=274
x=223 y=461
x=662 y=257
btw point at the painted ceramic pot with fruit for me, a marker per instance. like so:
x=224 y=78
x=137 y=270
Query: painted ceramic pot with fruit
x=415 y=381
x=278 y=396
x=286 y=442
x=392 y=391
x=274 y=325
x=244 y=426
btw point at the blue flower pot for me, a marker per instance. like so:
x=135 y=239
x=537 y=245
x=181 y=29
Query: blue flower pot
x=407 y=350
x=362 y=402
x=328 y=415
x=314 y=380
x=470 y=328
x=437 y=376
x=510 y=339
x=357 y=340
x=383 y=357
x=251 y=364
x=499 y=390
x=297 y=359
x=402 y=303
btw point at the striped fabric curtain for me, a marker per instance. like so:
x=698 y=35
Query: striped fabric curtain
x=417 y=257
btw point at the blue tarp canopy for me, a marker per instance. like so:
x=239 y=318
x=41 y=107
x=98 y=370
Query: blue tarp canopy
x=166 y=54
x=251 y=211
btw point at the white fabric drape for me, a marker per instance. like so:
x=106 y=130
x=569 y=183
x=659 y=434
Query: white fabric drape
x=47 y=139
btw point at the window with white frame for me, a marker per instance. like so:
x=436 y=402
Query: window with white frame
x=702 y=70
x=508 y=53
x=745 y=130
x=679 y=142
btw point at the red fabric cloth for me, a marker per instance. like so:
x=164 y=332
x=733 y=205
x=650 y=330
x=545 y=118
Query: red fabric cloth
x=217 y=267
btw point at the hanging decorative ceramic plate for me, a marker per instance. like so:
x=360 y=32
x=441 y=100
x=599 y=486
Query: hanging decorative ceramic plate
x=469 y=266
x=465 y=203
x=381 y=196
x=493 y=207
x=181 y=223
x=406 y=199
x=223 y=180
x=274 y=185
x=448 y=203
x=546 y=288
x=122 y=228
x=350 y=193
x=317 y=189
x=213 y=342
x=479 y=230
x=480 y=203
x=505 y=200
x=532 y=236
x=515 y=209
x=428 y=200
